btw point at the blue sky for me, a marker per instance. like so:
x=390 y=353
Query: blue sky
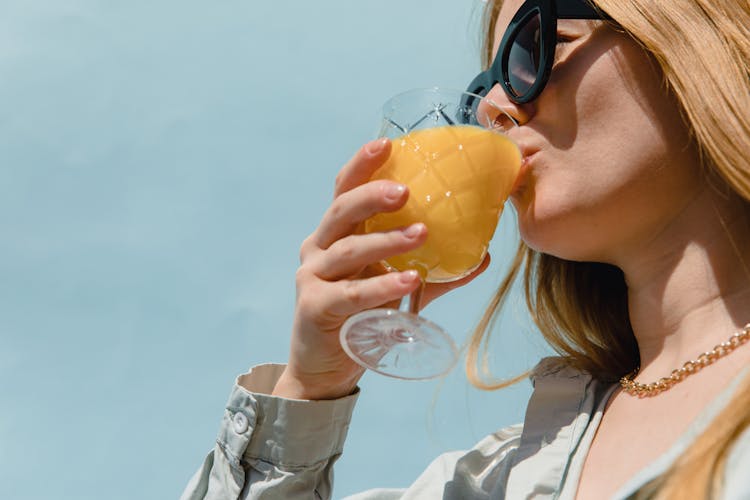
x=160 y=163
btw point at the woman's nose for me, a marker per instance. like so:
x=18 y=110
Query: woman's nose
x=503 y=109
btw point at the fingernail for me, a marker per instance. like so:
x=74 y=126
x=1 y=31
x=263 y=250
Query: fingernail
x=414 y=230
x=376 y=146
x=394 y=192
x=407 y=277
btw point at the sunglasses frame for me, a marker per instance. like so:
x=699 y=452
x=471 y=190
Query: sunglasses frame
x=549 y=11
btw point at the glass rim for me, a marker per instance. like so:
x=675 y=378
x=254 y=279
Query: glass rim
x=389 y=104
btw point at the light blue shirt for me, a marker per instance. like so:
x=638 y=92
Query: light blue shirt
x=275 y=448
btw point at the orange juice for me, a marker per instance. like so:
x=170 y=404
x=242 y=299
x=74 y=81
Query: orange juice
x=459 y=178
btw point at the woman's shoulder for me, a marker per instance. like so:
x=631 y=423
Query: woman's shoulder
x=560 y=369
x=511 y=462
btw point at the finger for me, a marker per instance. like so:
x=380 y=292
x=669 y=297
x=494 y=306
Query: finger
x=363 y=164
x=355 y=206
x=435 y=290
x=349 y=256
x=353 y=296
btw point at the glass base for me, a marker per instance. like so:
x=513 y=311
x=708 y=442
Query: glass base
x=398 y=344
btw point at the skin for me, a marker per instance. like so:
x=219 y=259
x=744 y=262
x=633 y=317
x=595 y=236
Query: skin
x=611 y=176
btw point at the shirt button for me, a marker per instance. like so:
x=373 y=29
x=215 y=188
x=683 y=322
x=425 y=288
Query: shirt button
x=240 y=423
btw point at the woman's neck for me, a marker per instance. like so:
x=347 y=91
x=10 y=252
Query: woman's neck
x=689 y=289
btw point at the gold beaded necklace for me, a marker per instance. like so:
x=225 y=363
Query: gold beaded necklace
x=690 y=367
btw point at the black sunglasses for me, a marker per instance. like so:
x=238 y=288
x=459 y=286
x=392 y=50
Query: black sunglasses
x=527 y=51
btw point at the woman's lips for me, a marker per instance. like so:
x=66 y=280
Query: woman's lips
x=523 y=172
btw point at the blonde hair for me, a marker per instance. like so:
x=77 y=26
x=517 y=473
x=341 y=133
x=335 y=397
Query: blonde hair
x=703 y=50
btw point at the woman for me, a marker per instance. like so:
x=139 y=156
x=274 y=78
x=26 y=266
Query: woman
x=634 y=215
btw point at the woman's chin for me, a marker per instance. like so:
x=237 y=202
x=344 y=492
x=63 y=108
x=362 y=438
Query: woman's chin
x=555 y=239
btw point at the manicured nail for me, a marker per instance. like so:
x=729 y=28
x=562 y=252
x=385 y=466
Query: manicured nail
x=394 y=192
x=414 y=230
x=407 y=277
x=376 y=146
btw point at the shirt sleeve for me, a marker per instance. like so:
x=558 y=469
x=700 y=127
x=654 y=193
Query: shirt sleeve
x=271 y=447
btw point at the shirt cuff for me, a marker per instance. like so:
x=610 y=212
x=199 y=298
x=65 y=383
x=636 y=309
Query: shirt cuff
x=284 y=432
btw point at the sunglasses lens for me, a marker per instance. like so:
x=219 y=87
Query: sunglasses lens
x=525 y=55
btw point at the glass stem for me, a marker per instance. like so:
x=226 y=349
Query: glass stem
x=415 y=298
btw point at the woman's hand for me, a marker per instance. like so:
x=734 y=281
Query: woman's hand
x=340 y=275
